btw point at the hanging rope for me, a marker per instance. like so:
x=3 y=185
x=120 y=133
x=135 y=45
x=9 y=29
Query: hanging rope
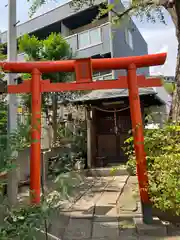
x=115 y=116
x=111 y=111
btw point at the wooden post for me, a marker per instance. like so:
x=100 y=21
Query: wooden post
x=137 y=127
x=89 y=149
x=93 y=138
x=35 y=164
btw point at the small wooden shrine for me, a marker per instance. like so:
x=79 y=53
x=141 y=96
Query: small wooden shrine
x=109 y=123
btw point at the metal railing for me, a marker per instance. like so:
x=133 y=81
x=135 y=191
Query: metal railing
x=102 y=77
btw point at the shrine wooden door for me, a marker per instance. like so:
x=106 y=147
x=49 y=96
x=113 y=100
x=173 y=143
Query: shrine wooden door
x=112 y=130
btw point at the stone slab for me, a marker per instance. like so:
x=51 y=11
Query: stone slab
x=107 y=203
x=127 y=202
x=133 y=180
x=157 y=229
x=57 y=224
x=106 y=230
x=173 y=230
x=127 y=228
x=78 y=229
x=158 y=238
x=129 y=234
x=105 y=172
x=117 y=184
x=84 y=207
x=80 y=190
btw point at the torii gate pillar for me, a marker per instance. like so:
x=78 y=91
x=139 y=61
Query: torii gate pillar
x=137 y=130
x=35 y=170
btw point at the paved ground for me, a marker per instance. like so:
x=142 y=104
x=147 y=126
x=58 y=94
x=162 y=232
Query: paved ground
x=105 y=208
x=94 y=214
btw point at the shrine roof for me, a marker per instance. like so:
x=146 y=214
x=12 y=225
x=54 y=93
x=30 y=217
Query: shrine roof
x=112 y=93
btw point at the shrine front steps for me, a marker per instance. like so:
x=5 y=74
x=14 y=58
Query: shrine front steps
x=106 y=171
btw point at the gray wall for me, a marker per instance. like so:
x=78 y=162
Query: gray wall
x=119 y=46
x=23 y=160
x=159 y=114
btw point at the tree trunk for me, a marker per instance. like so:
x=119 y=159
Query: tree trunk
x=175 y=107
x=54 y=123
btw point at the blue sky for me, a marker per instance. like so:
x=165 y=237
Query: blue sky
x=158 y=36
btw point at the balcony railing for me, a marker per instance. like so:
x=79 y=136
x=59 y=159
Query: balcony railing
x=105 y=38
x=102 y=77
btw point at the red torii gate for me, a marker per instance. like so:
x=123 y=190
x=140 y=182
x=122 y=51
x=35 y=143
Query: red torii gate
x=83 y=69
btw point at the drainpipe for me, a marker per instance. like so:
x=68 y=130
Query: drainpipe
x=111 y=36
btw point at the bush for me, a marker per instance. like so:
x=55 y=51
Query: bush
x=25 y=221
x=17 y=140
x=164 y=183
x=3 y=117
x=162 y=148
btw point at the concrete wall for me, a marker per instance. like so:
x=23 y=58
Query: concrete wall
x=159 y=114
x=65 y=31
x=23 y=160
x=165 y=97
x=120 y=48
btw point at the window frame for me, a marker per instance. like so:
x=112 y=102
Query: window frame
x=89 y=38
x=129 y=38
x=80 y=34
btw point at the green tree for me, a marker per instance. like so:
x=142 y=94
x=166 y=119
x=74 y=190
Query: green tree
x=151 y=10
x=54 y=47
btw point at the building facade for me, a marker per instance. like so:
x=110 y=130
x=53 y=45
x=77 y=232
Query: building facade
x=108 y=127
x=87 y=38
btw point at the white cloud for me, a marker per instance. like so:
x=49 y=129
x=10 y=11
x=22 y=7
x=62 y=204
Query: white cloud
x=23 y=11
x=162 y=40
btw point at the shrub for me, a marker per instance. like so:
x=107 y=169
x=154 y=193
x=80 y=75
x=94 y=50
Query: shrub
x=162 y=148
x=164 y=183
x=26 y=221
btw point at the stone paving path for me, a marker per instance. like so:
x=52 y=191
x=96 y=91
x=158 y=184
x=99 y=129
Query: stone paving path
x=104 y=208
x=94 y=214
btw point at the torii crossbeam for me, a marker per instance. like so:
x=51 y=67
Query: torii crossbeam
x=84 y=69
